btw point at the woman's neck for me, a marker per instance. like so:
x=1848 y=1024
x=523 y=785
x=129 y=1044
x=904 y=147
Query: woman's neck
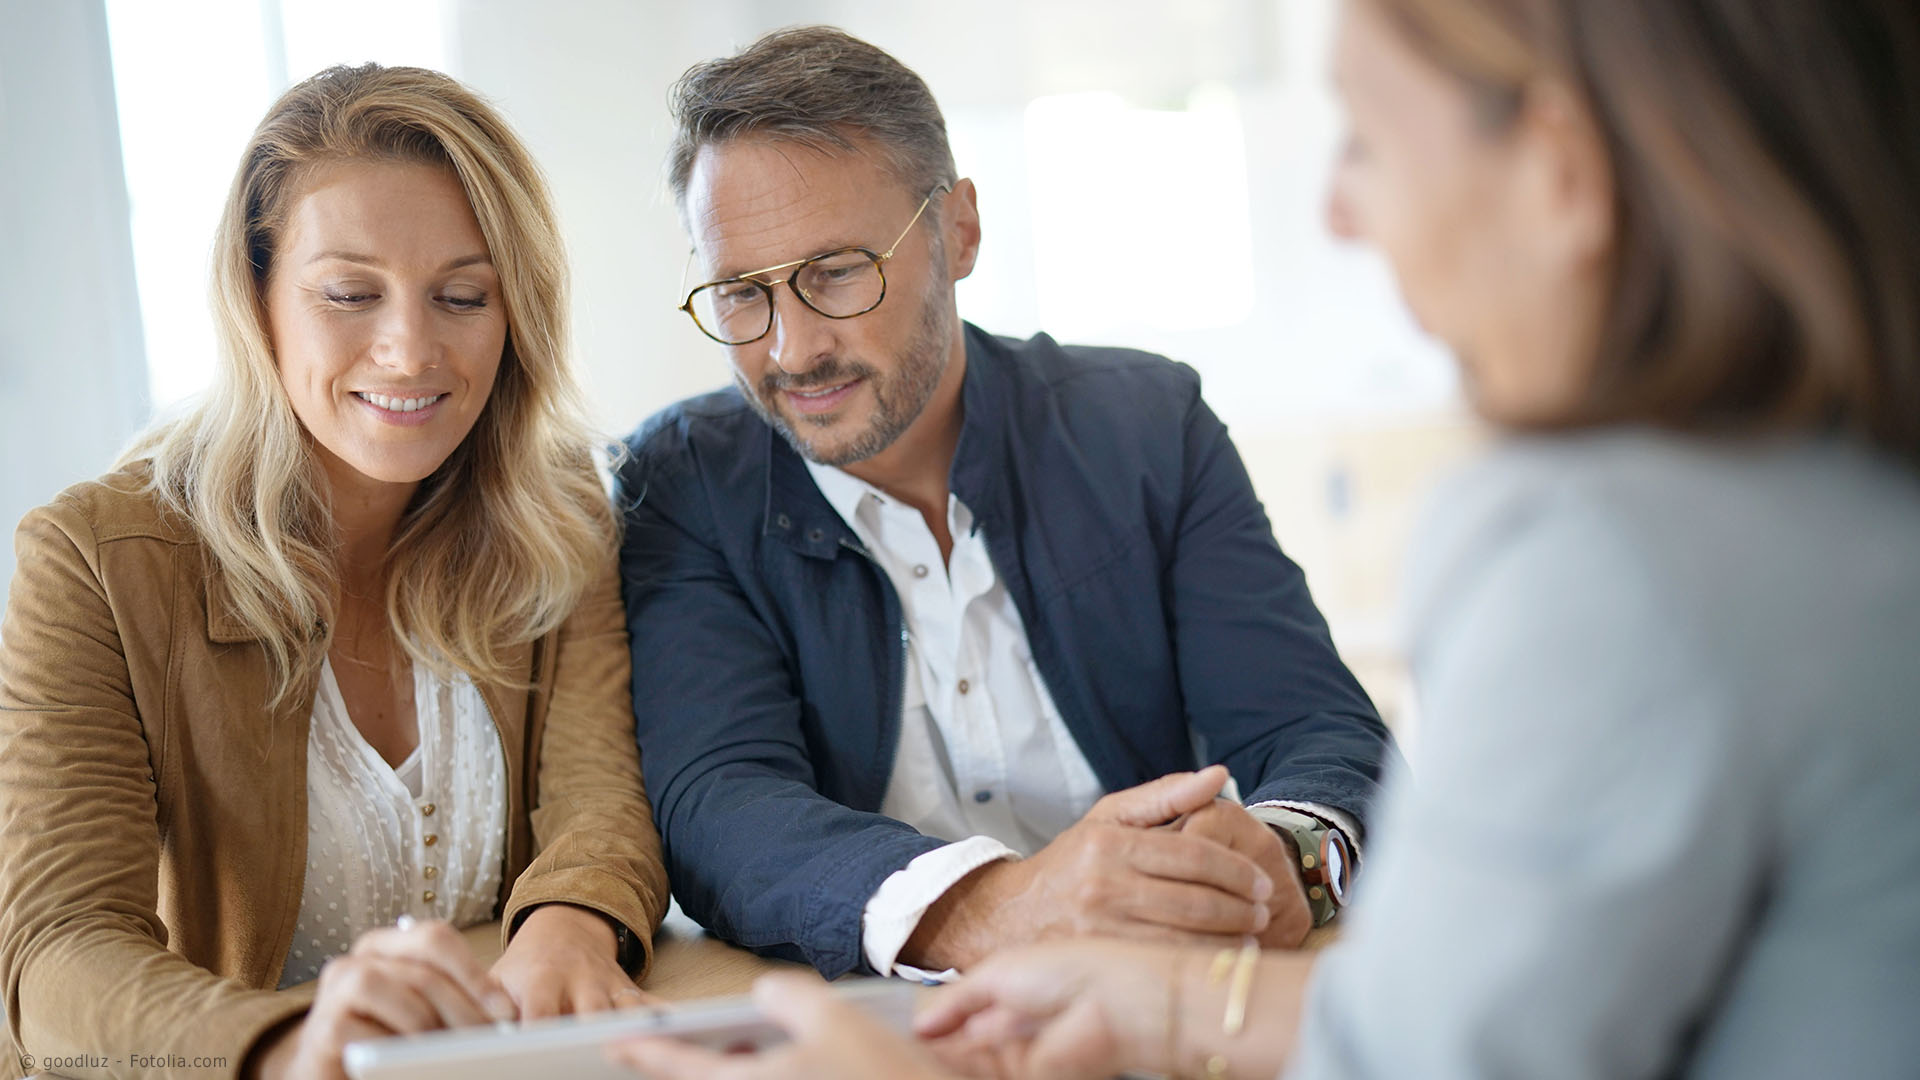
x=366 y=513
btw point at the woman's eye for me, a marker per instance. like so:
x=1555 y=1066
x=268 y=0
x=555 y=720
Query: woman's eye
x=348 y=296
x=468 y=303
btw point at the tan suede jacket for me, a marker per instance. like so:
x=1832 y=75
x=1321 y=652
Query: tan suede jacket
x=153 y=815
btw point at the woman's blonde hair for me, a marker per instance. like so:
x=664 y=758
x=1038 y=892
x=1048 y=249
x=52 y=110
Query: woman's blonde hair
x=499 y=543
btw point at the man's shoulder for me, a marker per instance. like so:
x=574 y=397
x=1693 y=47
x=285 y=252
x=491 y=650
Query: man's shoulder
x=1081 y=369
x=1092 y=382
x=718 y=417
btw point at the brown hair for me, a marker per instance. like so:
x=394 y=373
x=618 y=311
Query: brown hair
x=501 y=541
x=1766 y=154
x=819 y=87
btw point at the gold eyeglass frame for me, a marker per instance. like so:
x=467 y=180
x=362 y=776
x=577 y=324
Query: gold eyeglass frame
x=791 y=280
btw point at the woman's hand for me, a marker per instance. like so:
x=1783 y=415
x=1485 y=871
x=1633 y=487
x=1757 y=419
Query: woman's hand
x=415 y=977
x=830 y=1038
x=1095 y=1008
x=1085 y=1008
x=562 y=960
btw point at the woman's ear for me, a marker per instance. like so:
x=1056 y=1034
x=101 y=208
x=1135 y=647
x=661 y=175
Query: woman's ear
x=1567 y=182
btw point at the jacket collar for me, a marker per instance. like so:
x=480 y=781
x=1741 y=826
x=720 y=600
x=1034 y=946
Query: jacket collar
x=798 y=515
x=224 y=625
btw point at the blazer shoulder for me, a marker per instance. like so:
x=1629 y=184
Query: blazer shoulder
x=714 y=419
x=1063 y=366
x=1128 y=387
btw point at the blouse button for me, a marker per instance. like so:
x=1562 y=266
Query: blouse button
x=964 y=686
x=430 y=873
x=428 y=896
x=426 y=810
x=920 y=570
x=430 y=839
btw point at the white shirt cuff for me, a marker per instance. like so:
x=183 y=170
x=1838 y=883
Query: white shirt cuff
x=1339 y=819
x=894 y=910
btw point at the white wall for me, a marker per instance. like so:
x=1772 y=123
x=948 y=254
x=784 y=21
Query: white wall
x=73 y=381
x=585 y=82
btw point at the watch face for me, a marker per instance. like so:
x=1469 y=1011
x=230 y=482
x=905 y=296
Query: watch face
x=1333 y=853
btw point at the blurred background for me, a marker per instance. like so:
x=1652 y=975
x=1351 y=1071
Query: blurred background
x=1150 y=174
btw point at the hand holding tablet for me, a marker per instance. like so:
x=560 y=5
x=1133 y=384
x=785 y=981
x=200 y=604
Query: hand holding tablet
x=684 y=1041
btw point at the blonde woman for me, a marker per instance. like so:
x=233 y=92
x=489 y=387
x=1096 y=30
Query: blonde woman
x=336 y=663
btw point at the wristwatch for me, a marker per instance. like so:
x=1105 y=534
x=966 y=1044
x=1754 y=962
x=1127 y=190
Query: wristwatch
x=1326 y=858
x=628 y=951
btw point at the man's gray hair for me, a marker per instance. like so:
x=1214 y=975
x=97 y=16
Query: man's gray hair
x=817 y=86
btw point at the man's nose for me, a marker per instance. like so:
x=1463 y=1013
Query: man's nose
x=801 y=337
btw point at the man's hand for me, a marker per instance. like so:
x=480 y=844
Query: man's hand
x=1114 y=873
x=561 y=961
x=1228 y=824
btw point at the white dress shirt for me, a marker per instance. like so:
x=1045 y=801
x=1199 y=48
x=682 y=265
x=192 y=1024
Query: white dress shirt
x=984 y=761
x=426 y=839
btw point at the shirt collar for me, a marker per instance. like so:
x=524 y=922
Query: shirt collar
x=843 y=490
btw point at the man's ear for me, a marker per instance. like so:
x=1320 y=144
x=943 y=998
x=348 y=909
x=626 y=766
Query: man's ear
x=960 y=227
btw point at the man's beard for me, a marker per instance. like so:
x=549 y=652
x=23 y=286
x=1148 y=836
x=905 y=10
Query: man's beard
x=899 y=398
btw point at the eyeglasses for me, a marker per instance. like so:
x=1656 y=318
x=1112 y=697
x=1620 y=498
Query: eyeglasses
x=839 y=284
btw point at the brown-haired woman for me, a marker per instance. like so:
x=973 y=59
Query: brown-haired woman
x=1664 y=819
x=336 y=662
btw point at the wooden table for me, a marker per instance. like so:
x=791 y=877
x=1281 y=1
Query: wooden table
x=689 y=963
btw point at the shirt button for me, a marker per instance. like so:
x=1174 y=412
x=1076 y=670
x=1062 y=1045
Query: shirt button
x=426 y=809
x=430 y=873
x=430 y=839
x=428 y=896
x=964 y=686
x=983 y=795
x=920 y=570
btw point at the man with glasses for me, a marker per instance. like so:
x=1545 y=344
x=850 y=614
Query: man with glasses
x=931 y=628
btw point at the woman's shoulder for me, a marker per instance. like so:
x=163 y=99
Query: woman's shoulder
x=1680 y=498
x=119 y=505
x=1747 y=550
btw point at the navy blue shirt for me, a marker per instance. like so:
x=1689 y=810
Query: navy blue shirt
x=769 y=650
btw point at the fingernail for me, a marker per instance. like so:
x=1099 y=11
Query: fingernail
x=1262 y=886
x=501 y=1007
x=1260 y=918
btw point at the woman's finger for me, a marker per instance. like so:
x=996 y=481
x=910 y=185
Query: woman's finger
x=668 y=1059
x=362 y=986
x=440 y=945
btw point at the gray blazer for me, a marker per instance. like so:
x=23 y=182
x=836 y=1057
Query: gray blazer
x=1664 y=810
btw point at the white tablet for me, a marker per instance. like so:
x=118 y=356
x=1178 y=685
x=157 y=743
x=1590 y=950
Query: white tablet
x=575 y=1047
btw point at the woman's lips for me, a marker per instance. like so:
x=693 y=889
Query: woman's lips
x=402 y=417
